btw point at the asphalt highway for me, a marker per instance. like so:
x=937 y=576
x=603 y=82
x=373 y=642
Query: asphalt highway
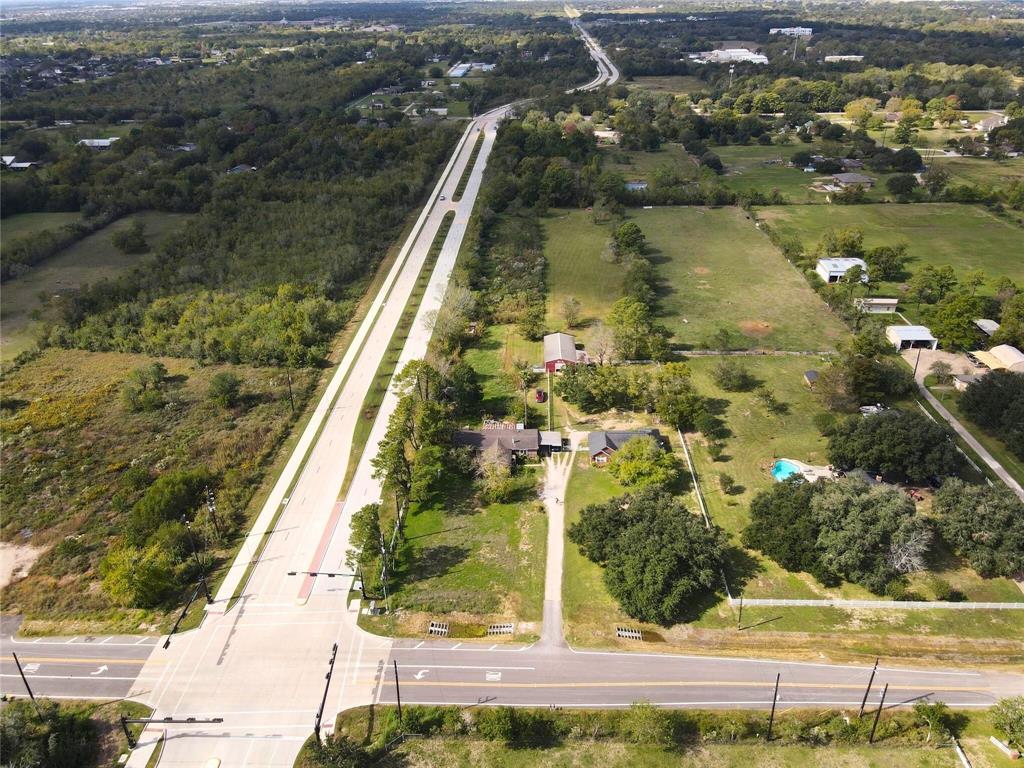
x=538 y=675
x=71 y=667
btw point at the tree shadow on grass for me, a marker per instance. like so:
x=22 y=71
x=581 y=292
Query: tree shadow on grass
x=740 y=568
x=430 y=562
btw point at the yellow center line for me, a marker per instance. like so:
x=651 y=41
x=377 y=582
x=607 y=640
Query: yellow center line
x=688 y=684
x=76 y=660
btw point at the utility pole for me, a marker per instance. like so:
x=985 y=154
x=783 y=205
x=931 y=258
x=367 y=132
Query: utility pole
x=878 y=714
x=27 y=686
x=732 y=69
x=864 y=701
x=291 y=398
x=775 y=700
x=323 y=701
x=739 y=619
x=398 y=693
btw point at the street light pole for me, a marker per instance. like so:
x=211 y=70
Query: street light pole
x=323 y=701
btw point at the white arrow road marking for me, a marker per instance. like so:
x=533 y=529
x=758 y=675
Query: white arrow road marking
x=100 y=671
x=493 y=677
x=30 y=668
x=420 y=675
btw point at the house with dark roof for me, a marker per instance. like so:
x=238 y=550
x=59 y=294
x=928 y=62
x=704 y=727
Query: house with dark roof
x=604 y=444
x=511 y=443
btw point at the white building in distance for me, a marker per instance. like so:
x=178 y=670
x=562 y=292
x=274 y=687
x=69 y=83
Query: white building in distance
x=729 y=56
x=843 y=57
x=791 y=31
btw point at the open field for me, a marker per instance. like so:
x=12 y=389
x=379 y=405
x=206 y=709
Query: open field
x=635 y=165
x=89 y=260
x=716 y=271
x=22 y=224
x=472 y=563
x=963 y=236
x=719 y=272
x=950 y=398
x=573 y=245
x=676 y=84
x=65 y=407
x=982 y=172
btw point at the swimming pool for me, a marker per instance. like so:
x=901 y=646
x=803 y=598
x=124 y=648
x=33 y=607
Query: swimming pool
x=783 y=469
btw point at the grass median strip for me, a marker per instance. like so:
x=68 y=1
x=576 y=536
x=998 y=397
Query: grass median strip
x=386 y=369
x=460 y=188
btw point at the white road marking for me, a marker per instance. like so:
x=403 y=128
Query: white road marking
x=103 y=668
x=492 y=677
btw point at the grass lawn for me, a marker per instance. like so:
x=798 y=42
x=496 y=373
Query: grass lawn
x=640 y=166
x=676 y=84
x=950 y=398
x=471 y=563
x=22 y=224
x=982 y=172
x=963 y=236
x=573 y=245
x=493 y=358
x=87 y=261
x=716 y=270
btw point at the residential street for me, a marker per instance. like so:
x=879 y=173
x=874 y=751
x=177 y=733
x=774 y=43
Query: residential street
x=927 y=357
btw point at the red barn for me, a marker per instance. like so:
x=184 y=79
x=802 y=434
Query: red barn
x=559 y=351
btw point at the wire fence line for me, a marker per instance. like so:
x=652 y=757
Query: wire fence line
x=886 y=604
x=904 y=605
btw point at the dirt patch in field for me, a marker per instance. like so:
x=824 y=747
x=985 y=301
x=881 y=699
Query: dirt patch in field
x=701 y=271
x=16 y=560
x=756 y=328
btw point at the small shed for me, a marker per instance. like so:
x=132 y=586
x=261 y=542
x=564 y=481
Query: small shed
x=811 y=378
x=988 y=327
x=963 y=380
x=559 y=351
x=911 y=337
x=832 y=270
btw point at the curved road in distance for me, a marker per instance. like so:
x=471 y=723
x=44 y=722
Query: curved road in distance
x=607 y=72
